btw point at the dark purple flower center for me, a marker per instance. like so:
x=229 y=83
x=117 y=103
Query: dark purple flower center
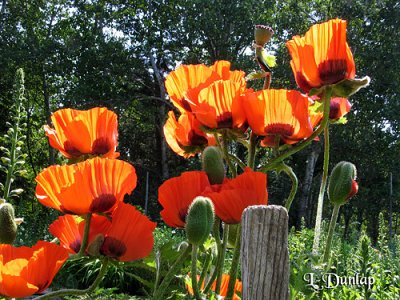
x=332 y=71
x=101 y=146
x=285 y=130
x=112 y=247
x=102 y=203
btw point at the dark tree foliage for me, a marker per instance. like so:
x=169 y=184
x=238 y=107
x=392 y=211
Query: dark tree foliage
x=82 y=54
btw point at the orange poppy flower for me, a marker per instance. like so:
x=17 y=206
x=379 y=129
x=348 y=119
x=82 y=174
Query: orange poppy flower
x=220 y=105
x=235 y=195
x=176 y=194
x=224 y=286
x=69 y=230
x=185 y=136
x=78 y=132
x=92 y=186
x=129 y=236
x=322 y=56
x=278 y=113
x=194 y=78
x=25 y=271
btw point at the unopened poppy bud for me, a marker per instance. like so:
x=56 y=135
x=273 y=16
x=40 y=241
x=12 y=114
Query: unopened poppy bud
x=94 y=247
x=342 y=185
x=199 y=220
x=8 y=227
x=262 y=34
x=213 y=165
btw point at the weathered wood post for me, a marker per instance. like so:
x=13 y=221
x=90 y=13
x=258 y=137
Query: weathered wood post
x=264 y=253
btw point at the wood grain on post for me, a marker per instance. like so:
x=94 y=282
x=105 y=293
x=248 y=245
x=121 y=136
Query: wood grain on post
x=264 y=253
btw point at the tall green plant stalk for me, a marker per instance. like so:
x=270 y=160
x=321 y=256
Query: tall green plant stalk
x=13 y=156
x=324 y=180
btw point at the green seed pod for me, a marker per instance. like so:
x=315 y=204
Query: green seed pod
x=213 y=165
x=199 y=220
x=342 y=185
x=262 y=34
x=94 y=247
x=8 y=227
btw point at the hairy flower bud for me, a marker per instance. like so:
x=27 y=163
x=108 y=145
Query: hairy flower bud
x=213 y=165
x=200 y=220
x=262 y=34
x=8 y=227
x=342 y=185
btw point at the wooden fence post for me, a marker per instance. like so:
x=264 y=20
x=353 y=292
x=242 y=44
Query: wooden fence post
x=264 y=253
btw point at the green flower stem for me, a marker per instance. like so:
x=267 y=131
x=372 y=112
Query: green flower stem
x=300 y=146
x=295 y=183
x=252 y=150
x=331 y=230
x=206 y=265
x=85 y=238
x=220 y=257
x=241 y=164
x=221 y=266
x=226 y=155
x=76 y=292
x=195 y=285
x=234 y=266
x=318 y=219
x=162 y=288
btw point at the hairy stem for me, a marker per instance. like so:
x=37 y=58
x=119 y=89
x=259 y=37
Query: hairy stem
x=195 y=285
x=234 y=267
x=85 y=238
x=331 y=230
x=295 y=183
x=162 y=288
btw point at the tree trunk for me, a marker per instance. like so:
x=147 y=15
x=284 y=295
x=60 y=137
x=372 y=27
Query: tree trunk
x=162 y=114
x=47 y=112
x=308 y=178
x=264 y=253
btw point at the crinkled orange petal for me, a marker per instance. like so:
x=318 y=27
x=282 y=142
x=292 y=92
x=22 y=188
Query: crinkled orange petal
x=185 y=78
x=279 y=112
x=77 y=132
x=249 y=188
x=132 y=231
x=322 y=56
x=25 y=271
x=222 y=68
x=176 y=194
x=95 y=185
x=14 y=286
x=220 y=105
x=46 y=261
x=185 y=136
x=66 y=229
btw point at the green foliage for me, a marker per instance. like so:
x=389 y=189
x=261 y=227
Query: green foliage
x=348 y=259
